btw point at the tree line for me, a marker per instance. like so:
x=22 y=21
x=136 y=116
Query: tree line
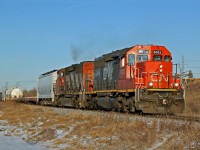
x=30 y=93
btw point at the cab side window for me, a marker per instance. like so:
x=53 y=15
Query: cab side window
x=167 y=58
x=131 y=59
x=61 y=74
x=123 y=62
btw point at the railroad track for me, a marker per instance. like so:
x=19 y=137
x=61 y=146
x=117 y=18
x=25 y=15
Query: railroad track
x=185 y=118
x=174 y=117
x=32 y=100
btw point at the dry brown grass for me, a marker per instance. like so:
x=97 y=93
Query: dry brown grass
x=97 y=130
x=192 y=98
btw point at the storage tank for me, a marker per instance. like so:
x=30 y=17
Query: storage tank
x=16 y=93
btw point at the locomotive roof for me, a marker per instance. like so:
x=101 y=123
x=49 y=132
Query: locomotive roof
x=74 y=66
x=113 y=54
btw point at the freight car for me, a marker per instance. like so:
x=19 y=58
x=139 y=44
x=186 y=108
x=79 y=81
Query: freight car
x=45 y=87
x=133 y=79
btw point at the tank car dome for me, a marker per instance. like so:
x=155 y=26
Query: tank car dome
x=16 y=93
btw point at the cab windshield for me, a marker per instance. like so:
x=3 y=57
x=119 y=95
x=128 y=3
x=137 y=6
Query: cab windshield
x=157 y=58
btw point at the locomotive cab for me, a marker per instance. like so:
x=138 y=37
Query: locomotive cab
x=149 y=71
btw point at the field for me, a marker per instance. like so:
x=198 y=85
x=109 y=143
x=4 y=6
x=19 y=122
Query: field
x=59 y=128
x=192 y=98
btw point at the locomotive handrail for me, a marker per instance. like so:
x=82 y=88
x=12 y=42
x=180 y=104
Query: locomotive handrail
x=143 y=73
x=138 y=74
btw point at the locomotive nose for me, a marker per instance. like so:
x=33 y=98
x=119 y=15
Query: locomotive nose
x=160 y=68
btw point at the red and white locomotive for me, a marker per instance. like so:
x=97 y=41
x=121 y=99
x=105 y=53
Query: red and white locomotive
x=138 y=78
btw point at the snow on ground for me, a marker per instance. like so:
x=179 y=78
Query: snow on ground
x=15 y=143
x=61 y=131
x=10 y=142
x=159 y=143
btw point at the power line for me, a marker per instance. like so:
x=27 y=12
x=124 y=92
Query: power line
x=192 y=60
x=196 y=73
x=179 y=61
x=192 y=67
x=28 y=81
x=23 y=81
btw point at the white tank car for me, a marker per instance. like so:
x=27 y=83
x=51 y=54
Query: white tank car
x=45 y=87
x=16 y=93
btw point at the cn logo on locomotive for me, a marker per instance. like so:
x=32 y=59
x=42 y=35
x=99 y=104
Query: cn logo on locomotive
x=162 y=77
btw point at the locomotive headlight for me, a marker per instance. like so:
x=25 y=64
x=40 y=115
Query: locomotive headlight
x=161 y=70
x=161 y=66
x=176 y=84
x=150 y=84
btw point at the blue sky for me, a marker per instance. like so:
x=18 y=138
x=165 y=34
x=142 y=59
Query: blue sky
x=37 y=36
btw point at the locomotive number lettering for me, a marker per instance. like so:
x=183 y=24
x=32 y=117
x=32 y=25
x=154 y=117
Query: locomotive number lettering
x=158 y=52
x=142 y=51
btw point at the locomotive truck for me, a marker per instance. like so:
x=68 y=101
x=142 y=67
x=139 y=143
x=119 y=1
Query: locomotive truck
x=139 y=78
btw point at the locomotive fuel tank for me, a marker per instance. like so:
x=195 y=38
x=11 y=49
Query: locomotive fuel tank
x=109 y=103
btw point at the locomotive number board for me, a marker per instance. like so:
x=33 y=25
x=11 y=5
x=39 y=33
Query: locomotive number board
x=158 y=52
x=142 y=51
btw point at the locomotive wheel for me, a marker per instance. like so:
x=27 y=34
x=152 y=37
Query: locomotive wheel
x=124 y=108
x=76 y=103
x=94 y=105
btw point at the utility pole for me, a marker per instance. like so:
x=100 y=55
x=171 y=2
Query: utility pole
x=5 y=90
x=183 y=65
x=6 y=86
